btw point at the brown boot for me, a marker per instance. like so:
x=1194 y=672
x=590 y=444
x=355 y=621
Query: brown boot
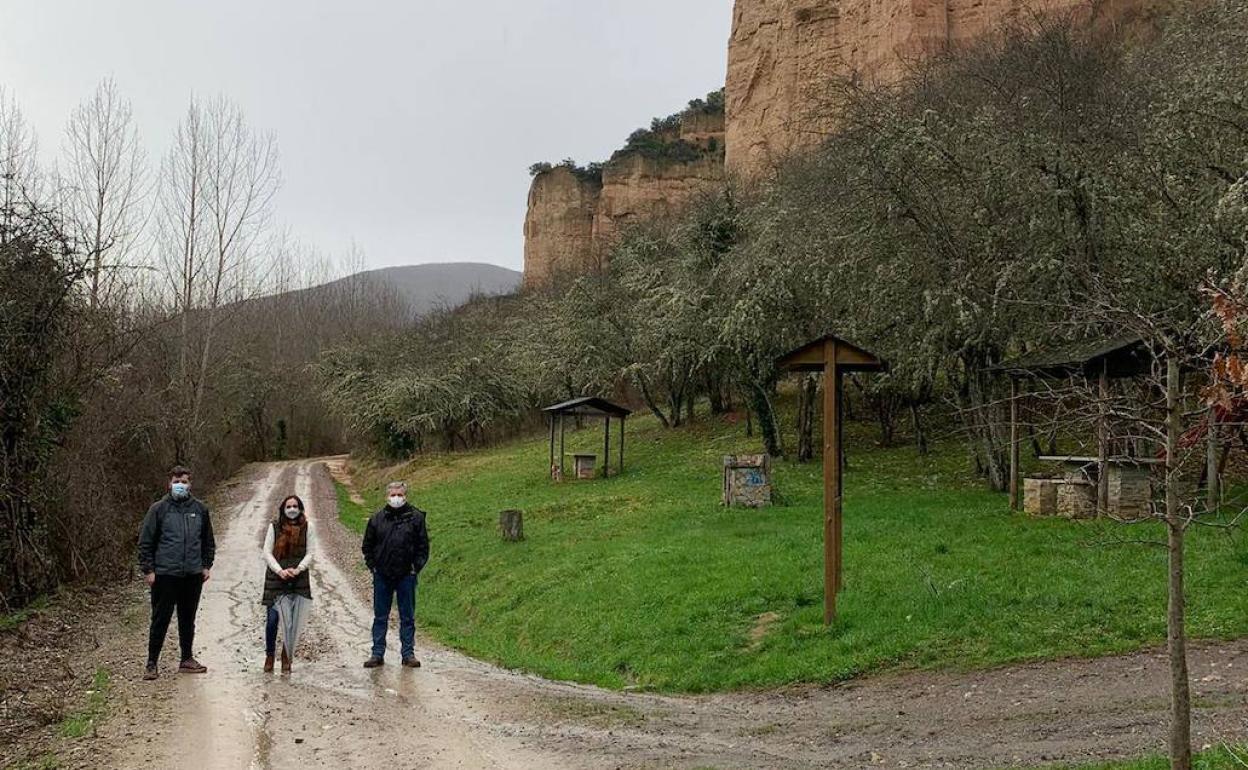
x=268 y=664
x=191 y=666
x=285 y=662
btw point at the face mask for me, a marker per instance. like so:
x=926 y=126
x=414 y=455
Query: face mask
x=292 y=513
x=180 y=490
x=396 y=501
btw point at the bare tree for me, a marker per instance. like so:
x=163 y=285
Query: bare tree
x=105 y=185
x=218 y=182
x=19 y=168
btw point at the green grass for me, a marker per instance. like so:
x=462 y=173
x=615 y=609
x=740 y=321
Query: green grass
x=82 y=722
x=10 y=621
x=1221 y=758
x=646 y=581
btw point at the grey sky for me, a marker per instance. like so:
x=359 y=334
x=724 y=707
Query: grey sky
x=408 y=126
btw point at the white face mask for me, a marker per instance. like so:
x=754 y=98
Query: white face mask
x=396 y=501
x=180 y=490
x=292 y=513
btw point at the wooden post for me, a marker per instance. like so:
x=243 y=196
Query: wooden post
x=1014 y=490
x=606 y=448
x=551 y=466
x=831 y=481
x=1213 y=484
x=622 y=420
x=1102 y=443
x=562 y=454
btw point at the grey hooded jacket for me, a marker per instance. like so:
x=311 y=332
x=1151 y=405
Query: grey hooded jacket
x=176 y=538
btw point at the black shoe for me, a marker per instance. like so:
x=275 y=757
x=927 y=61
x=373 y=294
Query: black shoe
x=411 y=662
x=373 y=662
x=151 y=672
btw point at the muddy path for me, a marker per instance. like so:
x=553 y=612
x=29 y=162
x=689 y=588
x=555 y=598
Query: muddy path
x=456 y=712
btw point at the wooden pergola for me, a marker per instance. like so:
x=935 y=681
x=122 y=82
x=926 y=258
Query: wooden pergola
x=588 y=406
x=833 y=357
x=1098 y=361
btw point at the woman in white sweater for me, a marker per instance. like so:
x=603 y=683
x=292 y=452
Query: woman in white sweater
x=289 y=543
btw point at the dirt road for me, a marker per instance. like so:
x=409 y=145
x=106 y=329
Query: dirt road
x=460 y=713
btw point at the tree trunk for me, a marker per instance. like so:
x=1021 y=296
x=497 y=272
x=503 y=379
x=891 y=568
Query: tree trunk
x=1176 y=635
x=511 y=524
x=991 y=456
x=644 y=387
x=920 y=438
x=806 y=419
x=766 y=420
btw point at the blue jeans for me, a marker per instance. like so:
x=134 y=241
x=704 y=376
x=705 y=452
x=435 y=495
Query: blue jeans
x=270 y=632
x=384 y=590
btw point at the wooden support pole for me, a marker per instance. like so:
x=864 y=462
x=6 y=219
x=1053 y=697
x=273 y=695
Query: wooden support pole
x=831 y=481
x=622 y=419
x=606 y=447
x=562 y=454
x=550 y=468
x=1102 y=443
x=1014 y=471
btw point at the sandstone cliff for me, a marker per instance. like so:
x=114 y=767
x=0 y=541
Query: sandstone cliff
x=558 y=228
x=573 y=214
x=783 y=53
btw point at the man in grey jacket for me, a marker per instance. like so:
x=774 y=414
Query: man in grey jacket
x=176 y=549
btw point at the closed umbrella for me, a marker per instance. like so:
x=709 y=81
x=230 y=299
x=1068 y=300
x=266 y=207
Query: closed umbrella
x=292 y=613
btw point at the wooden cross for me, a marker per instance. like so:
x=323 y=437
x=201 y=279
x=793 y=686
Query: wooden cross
x=832 y=356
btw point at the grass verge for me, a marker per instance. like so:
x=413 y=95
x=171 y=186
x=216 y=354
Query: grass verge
x=82 y=722
x=1221 y=758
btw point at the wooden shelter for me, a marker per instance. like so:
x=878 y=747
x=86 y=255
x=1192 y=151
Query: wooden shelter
x=833 y=357
x=1098 y=361
x=587 y=406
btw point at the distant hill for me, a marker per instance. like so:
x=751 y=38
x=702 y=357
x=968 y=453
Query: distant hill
x=434 y=285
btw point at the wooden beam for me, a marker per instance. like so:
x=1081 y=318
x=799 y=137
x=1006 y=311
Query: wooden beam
x=1102 y=442
x=622 y=420
x=831 y=481
x=551 y=466
x=606 y=447
x=563 y=473
x=1014 y=490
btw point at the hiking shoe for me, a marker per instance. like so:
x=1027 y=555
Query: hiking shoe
x=411 y=662
x=191 y=666
x=151 y=672
x=285 y=662
x=268 y=664
x=373 y=662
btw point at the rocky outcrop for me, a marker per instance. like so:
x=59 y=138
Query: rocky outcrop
x=574 y=214
x=559 y=224
x=783 y=54
x=636 y=188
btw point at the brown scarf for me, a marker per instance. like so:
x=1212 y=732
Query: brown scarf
x=292 y=536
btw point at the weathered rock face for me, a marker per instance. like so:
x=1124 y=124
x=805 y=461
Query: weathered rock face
x=572 y=219
x=783 y=53
x=636 y=188
x=558 y=227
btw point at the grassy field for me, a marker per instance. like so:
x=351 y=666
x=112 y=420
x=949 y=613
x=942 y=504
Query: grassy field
x=645 y=580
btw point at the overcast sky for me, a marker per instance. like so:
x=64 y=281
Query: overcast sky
x=407 y=126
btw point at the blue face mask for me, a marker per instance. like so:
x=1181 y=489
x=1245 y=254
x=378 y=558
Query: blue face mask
x=180 y=490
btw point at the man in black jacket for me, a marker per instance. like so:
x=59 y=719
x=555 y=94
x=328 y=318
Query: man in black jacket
x=176 y=549
x=396 y=547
